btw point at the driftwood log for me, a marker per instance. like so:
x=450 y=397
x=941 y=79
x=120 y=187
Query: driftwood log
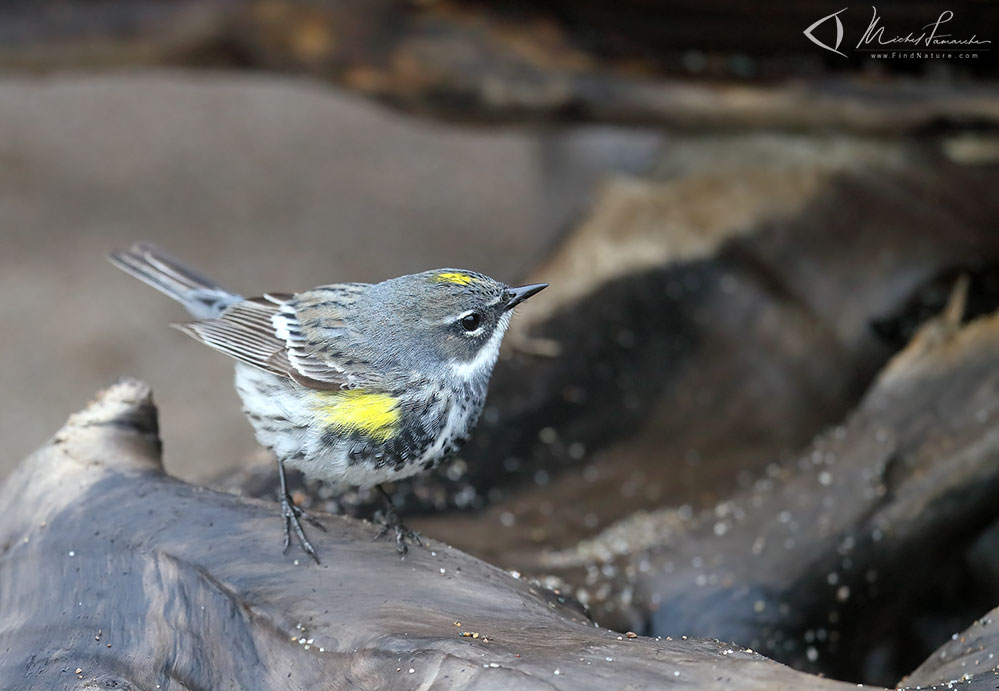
x=113 y=575
x=970 y=656
x=862 y=521
x=688 y=67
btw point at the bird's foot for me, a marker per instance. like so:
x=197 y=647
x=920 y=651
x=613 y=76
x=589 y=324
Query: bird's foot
x=390 y=522
x=292 y=514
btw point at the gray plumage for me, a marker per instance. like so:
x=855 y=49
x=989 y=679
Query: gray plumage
x=354 y=383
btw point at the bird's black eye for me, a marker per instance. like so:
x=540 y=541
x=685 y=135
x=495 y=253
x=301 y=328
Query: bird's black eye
x=470 y=322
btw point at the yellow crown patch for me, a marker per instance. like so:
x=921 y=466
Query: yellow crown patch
x=373 y=414
x=455 y=277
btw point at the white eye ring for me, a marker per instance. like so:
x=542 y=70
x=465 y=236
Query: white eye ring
x=471 y=322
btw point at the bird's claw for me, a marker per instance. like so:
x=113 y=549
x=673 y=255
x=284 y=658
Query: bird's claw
x=291 y=514
x=390 y=522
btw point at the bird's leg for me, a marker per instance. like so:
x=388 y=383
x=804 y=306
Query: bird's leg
x=390 y=521
x=291 y=514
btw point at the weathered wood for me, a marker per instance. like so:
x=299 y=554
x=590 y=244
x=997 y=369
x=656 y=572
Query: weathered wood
x=865 y=520
x=969 y=661
x=117 y=576
x=468 y=61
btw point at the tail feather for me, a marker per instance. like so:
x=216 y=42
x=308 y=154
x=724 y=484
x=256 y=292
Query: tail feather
x=202 y=297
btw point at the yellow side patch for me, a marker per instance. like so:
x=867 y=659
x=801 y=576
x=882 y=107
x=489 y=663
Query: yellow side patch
x=373 y=414
x=455 y=277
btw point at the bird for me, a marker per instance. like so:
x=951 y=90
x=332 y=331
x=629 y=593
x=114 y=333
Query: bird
x=354 y=384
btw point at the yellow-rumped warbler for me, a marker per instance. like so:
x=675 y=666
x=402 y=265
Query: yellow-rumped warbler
x=355 y=384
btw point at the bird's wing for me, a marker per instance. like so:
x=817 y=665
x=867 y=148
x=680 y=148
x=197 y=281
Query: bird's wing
x=293 y=336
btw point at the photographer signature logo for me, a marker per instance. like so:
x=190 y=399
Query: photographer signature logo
x=839 y=32
x=930 y=40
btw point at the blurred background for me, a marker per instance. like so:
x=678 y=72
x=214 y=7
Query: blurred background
x=266 y=184
x=251 y=138
x=741 y=224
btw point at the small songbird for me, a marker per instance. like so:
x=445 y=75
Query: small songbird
x=355 y=384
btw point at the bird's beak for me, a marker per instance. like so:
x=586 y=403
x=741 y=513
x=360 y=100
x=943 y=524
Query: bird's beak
x=515 y=296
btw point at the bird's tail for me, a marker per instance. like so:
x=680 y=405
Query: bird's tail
x=202 y=297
